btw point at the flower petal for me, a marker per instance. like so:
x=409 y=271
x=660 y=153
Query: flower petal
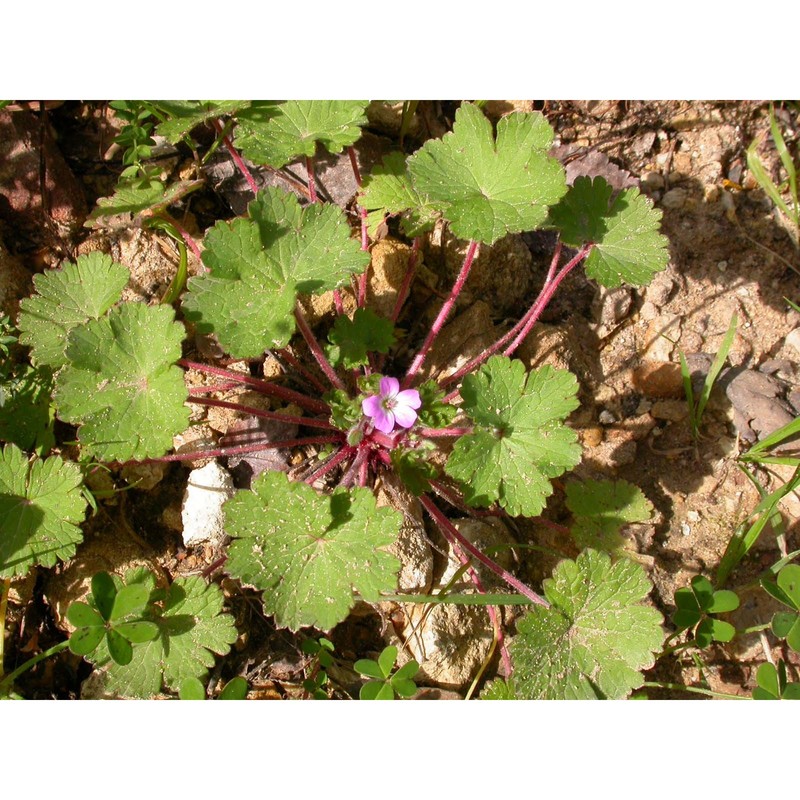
x=384 y=421
x=404 y=415
x=409 y=397
x=371 y=406
x=389 y=387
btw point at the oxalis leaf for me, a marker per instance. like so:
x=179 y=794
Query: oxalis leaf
x=259 y=265
x=519 y=442
x=121 y=385
x=594 y=640
x=66 y=298
x=309 y=553
x=489 y=187
x=190 y=630
x=275 y=133
x=602 y=509
x=627 y=245
x=41 y=506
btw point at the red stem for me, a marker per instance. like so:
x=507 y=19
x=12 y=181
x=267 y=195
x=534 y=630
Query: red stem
x=354 y=164
x=440 y=433
x=546 y=295
x=307 y=374
x=309 y=422
x=237 y=159
x=451 y=533
x=312 y=188
x=458 y=502
x=444 y=312
x=407 y=278
x=190 y=242
x=331 y=463
x=316 y=349
x=528 y=320
x=238 y=450
x=349 y=477
x=216 y=387
x=263 y=387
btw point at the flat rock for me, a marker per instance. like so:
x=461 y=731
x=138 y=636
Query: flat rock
x=203 y=519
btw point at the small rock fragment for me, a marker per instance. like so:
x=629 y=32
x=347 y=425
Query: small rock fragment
x=203 y=519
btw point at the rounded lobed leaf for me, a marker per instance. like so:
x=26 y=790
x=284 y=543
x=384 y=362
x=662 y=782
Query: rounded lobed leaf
x=121 y=385
x=519 y=442
x=310 y=553
x=487 y=187
x=275 y=133
x=595 y=639
x=41 y=506
x=66 y=298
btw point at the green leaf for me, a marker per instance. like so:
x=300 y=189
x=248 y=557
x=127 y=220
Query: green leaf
x=772 y=684
x=190 y=630
x=370 y=668
x=192 y=689
x=354 y=339
x=138 y=196
x=26 y=415
x=104 y=592
x=275 y=133
x=414 y=469
x=376 y=690
x=434 y=413
x=345 y=410
x=121 y=385
x=594 y=640
x=723 y=601
x=66 y=298
x=41 y=506
x=499 y=690
x=789 y=581
x=235 y=689
x=86 y=640
x=137 y=632
x=386 y=660
x=259 y=265
x=786 y=625
x=388 y=190
x=519 y=442
x=119 y=647
x=129 y=599
x=309 y=553
x=184 y=115
x=602 y=509
x=627 y=245
x=82 y=615
x=488 y=188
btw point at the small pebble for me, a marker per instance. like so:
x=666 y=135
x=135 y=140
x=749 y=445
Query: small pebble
x=685 y=529
x=693 y=516
x=606 y=417
x=722 y=265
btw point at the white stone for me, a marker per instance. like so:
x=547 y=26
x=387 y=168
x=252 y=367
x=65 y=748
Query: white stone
x=209 y=487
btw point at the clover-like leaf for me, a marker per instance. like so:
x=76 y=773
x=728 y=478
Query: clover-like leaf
x=191 y=629
x=353 y=339
x=627 y=245
x=275 y=133
x=602 y=509
x=310 y=553
x=519 y=442
x=786 y=624
x=594 y=640
x=259 y=265
x=694 y=605
x=388 y=190
x=41 y=507
x=183 y=115
x=489 y=187
x=121 y=384
x=66 y=298
x=773 y=684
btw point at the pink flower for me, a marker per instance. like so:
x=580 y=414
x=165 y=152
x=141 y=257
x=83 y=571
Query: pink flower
x=391 y=406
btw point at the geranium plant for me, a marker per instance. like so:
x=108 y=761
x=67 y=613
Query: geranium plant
x=317 y=542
